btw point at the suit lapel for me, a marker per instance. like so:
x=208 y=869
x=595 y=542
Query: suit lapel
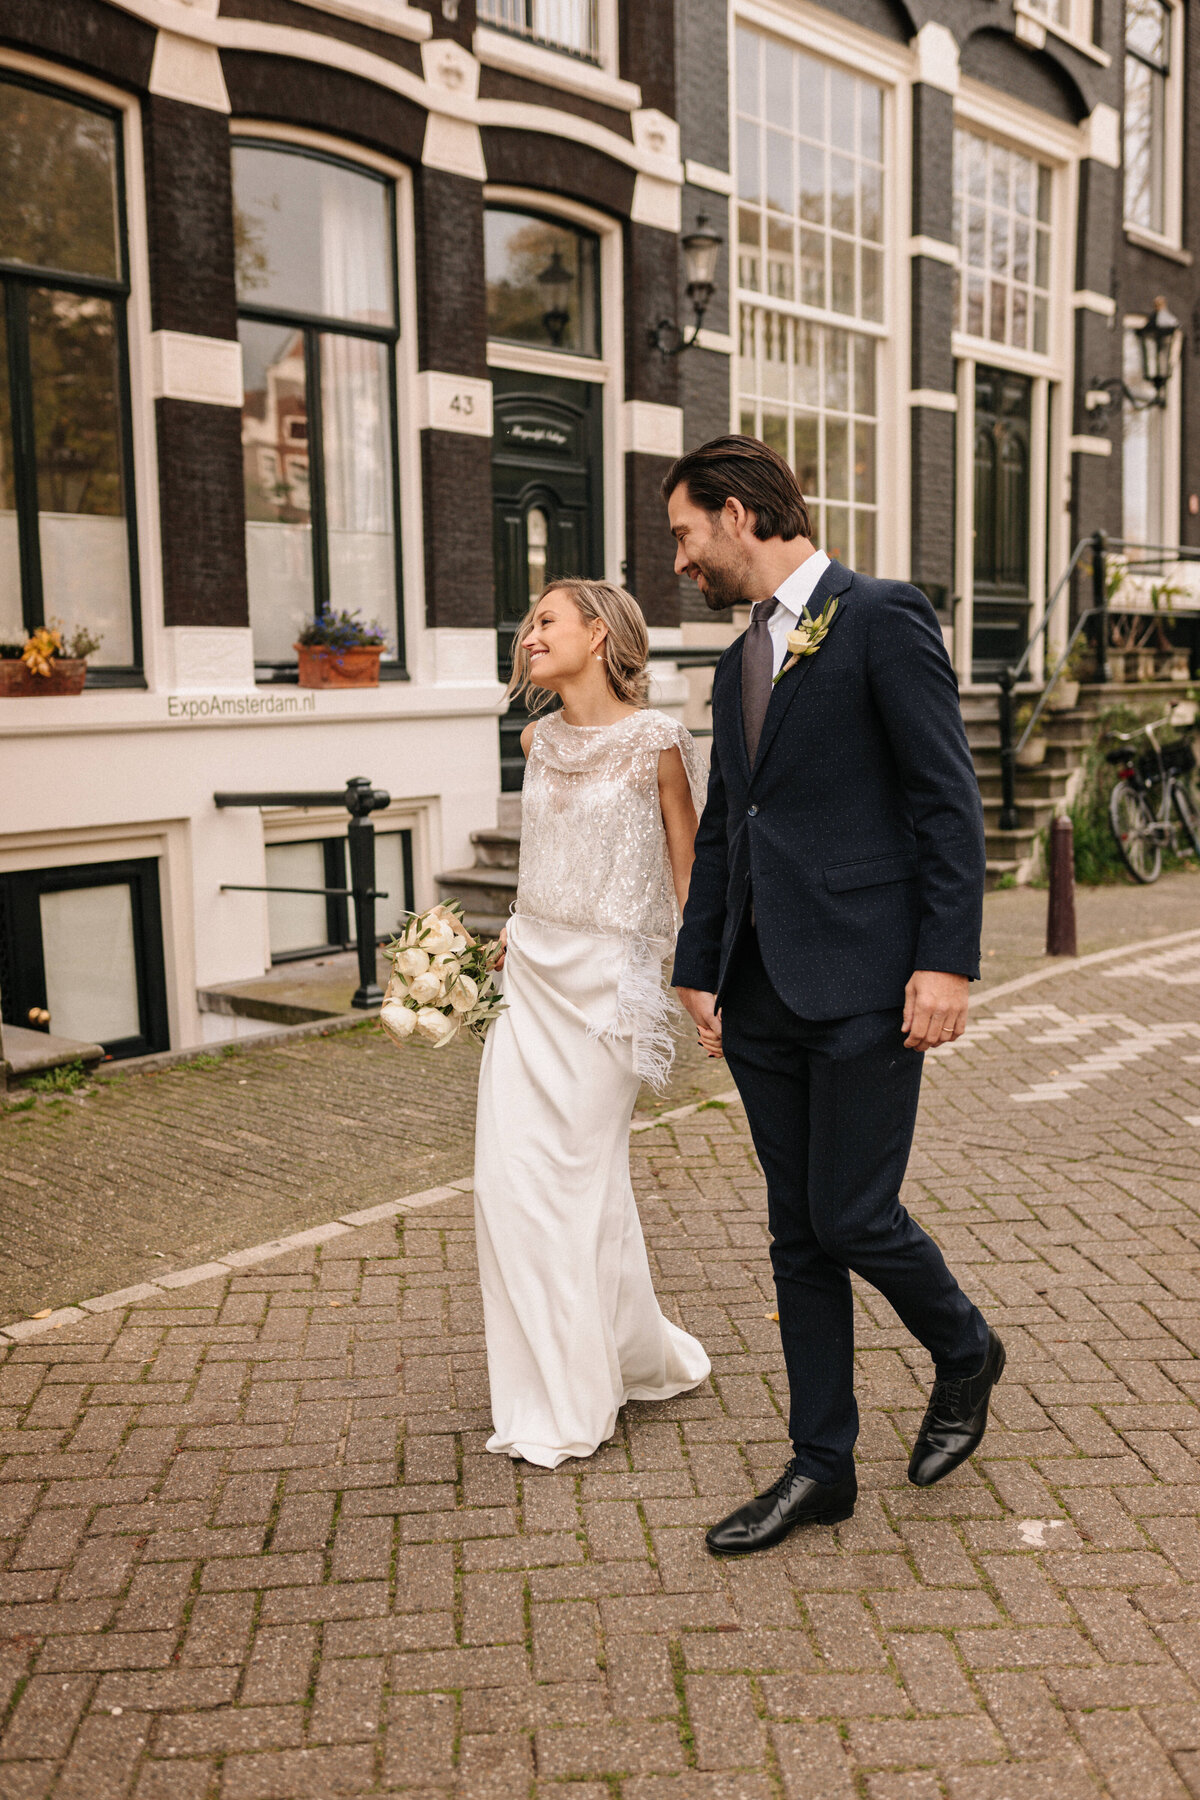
x=735 y=676
x=835 y=580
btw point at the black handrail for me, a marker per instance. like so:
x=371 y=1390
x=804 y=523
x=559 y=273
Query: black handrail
x=1009 y=677
x=360 y=800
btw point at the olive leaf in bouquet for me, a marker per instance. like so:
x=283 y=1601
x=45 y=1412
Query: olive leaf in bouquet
x=443 y=979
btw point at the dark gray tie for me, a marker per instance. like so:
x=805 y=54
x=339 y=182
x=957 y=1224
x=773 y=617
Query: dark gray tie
x=758 y=666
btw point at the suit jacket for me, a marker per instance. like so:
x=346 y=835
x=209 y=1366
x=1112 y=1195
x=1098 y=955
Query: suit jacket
x=859 y=830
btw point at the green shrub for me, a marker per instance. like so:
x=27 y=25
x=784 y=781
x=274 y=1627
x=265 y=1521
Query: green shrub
x=1097 y=860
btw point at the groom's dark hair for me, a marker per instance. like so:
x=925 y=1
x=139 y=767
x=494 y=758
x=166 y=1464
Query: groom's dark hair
x=745 y=469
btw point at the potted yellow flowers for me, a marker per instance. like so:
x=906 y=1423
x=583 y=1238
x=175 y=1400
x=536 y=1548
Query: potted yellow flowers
x=47 y=663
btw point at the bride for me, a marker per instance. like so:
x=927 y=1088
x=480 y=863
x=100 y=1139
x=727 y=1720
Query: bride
x=612 y=792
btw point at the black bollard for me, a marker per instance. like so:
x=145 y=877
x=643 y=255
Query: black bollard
x=1060 y=914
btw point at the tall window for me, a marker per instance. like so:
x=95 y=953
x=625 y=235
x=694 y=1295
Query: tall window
x=1144 y=451
x=67 y=554
x=810 y=254
x=1002 y=229
x=317 y=294
x=1147 y=71
x=543 y=282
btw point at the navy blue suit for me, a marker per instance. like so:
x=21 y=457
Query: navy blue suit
x=850 y=855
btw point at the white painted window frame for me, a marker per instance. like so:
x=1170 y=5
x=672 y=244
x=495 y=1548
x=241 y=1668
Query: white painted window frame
x=1168 y=527
x=1173 y=149
x=1033 y=27
x=860 y=52
x=155 y=661
x=409 y=513
x=606 y=370
x=1023 y=128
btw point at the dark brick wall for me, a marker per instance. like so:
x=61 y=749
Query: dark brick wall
x=932 y=451
x=200 y=499
x=456 y=484
x=190 y=214
x=932 y=323
x=462 y=28
x=933 y=162
x=706 y=401
x=651 y=293
x=498 y=84
x=347 y=31
x=649 y=546
x=558 y=166
x=647 y=50
x=86 y=34
x=1098 y=246
x=451 y=300
x=324 y=99
x=887 y=18
x=1034 y=76
x=701 y=48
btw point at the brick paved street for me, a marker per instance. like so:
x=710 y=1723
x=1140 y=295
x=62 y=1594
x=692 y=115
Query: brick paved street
x=256 y=1551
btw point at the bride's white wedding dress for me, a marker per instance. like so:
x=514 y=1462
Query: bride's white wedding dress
x=572 y=1323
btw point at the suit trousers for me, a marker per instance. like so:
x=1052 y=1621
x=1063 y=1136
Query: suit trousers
x=832 y=1105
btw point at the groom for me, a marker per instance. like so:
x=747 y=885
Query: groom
x=830 y=933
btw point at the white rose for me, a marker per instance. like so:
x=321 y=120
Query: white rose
x=435 y=1027
x=439 y=936
x=398 y=1020
x=427 y=987
x=411 y=963
x=463 y=994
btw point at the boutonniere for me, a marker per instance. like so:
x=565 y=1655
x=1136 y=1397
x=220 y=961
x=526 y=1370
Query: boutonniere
x=808 y=636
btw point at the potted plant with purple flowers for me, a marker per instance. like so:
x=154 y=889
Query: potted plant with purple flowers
x=337 y=650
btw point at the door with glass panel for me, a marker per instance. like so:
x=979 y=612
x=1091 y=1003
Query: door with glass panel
x=67 y=542
x=81 y=954
x=316 y=275
x=546 y=496
x=304 y=923
x=1003 y=416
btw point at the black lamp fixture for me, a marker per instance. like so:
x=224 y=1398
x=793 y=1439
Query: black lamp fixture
x=1158 y=343
x=701 y=248
x=555 y=282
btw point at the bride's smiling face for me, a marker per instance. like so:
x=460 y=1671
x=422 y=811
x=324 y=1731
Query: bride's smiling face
x=561 y=643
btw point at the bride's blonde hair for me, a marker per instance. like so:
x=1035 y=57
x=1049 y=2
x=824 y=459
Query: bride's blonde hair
x=626 y=649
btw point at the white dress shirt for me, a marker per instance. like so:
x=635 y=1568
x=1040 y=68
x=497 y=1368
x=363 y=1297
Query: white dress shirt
x=793 y=596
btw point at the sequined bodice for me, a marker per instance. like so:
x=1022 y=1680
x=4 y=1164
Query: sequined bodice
x=593 y=845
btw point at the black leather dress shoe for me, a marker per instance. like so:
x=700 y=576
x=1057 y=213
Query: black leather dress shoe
x=793 y=1500
x=955 y=1419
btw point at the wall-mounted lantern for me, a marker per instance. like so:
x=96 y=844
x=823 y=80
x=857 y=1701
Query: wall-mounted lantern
x=1158 y=345
x=555 y=282
x=701 y=249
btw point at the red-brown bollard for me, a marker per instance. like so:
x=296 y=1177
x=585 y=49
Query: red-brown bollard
x=1060 y=914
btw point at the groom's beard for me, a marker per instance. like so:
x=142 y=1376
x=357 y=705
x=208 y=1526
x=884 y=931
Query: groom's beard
x=725 y=580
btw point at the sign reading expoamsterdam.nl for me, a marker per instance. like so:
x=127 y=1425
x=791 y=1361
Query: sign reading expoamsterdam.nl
x=238 y=706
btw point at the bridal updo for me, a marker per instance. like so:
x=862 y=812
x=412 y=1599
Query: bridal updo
x=626 y=648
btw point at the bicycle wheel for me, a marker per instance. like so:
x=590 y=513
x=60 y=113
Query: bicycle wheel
x=1133 y=827
x=1189 y=814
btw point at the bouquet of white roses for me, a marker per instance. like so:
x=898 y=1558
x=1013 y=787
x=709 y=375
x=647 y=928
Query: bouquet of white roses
x=443 y=978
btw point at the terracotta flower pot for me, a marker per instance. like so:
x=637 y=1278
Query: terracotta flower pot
x=322 y=667
x=67 y=676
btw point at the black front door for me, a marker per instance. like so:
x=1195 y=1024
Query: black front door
x=1003 y=407
x=546 y=497
x=81 y=954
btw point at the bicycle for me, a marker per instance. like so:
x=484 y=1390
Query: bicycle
x=1142 y=831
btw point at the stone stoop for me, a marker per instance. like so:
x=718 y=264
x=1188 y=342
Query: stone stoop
x=488 y=888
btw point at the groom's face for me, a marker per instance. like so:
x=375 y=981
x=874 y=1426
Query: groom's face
x=707 y=551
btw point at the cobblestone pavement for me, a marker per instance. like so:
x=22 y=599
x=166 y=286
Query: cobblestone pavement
x=256 y=1551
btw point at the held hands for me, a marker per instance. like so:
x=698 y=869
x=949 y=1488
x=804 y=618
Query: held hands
x=503 y=942
x=702 y=1008
x=935 y=1009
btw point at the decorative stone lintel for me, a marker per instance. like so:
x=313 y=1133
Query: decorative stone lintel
x=188 y=367
x=653 y=430
x=454 y=403
x=184 y=69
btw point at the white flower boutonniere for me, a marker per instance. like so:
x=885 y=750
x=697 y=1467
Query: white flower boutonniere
x=808 y=636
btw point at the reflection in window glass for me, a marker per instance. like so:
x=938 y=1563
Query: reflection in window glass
x=810 y=147
x=1143 y=457
x=312 y=236
x=58 y=184
x=519 y=249
x=808 y=390
x=92 y=998
x=1147 y=69
x=537 y=544
x=1002 y=229
x=315 y=239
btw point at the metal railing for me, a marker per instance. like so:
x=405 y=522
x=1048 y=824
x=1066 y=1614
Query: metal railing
x=568 y=25
x=1149 y=557
x=360 y=800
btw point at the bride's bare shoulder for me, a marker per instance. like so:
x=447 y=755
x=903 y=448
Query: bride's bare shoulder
x=527 y=737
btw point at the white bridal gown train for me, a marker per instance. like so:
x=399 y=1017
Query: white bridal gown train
x=572 y=1323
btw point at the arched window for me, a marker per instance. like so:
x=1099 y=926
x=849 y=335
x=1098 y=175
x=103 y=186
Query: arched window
x=542 y=282
x=67 y=548
x=316 y=276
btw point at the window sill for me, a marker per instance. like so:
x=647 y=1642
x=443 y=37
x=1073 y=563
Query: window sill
x=288 y=675
x=1161 y=246
x=385 y=15
x=100 y=680
x=497 y=50
x=1084 y=45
